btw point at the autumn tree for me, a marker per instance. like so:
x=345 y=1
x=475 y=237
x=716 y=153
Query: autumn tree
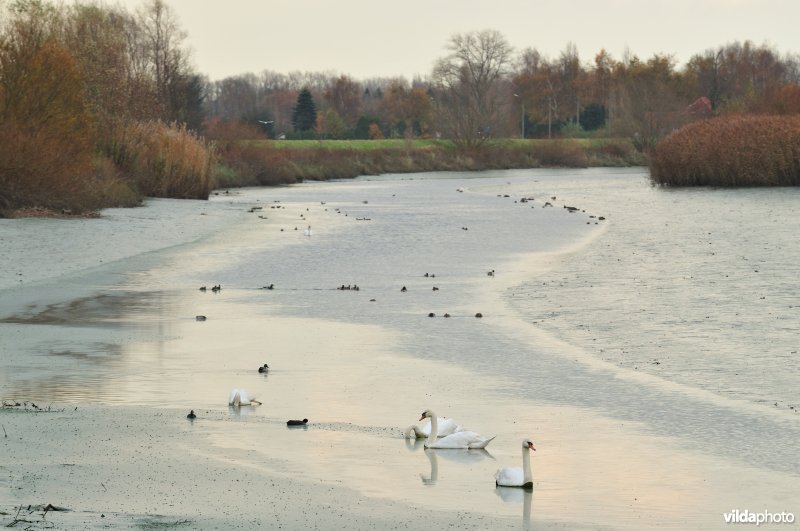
x=46 y=129
x=408 y=109
x=466 y=82
x=330 y=125
x=538 y=85
x=738 y=75
x=344 y=96
x=646 y=101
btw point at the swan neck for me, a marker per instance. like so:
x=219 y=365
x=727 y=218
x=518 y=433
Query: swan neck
x=434 y=429
x=413 y=432
x=526 y=465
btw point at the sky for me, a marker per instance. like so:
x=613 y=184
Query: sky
x=376 y=38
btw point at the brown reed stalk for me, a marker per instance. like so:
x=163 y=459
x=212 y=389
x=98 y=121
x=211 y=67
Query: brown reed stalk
x=729 y=151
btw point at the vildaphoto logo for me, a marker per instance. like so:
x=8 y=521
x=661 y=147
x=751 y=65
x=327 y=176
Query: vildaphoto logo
x=765 y=517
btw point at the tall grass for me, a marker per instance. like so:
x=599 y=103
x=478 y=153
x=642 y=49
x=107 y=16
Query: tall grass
x=729 y=151
x=165 y=160
x=252 y=162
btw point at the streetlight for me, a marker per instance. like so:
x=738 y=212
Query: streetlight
x=522 y=121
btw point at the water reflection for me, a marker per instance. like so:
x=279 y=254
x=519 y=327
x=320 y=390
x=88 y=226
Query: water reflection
x=241 y=411
x=434 y=475
x=414 y=444
x=517 y=495
x=462 y=457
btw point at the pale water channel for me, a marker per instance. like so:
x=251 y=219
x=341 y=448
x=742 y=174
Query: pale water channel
x=652 y=355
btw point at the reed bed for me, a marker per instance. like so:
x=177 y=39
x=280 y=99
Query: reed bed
x=752 y=150
x=165 y=160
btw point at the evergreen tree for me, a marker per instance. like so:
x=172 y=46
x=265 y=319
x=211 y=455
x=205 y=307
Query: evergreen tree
x=593 y=117
x=304 y=115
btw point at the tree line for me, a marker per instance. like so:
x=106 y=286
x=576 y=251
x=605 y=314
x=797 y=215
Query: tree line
x=100 y=106
x=484 y=89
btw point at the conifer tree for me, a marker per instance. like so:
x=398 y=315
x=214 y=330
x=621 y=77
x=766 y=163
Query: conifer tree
x=304 y=115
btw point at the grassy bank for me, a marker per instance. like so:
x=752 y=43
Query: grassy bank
x=730 y=151
x=266 y=162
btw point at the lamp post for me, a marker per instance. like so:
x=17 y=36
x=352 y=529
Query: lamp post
x=522 y=121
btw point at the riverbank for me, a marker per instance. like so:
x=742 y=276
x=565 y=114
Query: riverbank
x=252 y=163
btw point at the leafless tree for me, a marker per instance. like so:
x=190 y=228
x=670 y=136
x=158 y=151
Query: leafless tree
x=467 y=95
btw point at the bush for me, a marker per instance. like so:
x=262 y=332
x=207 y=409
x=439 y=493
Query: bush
x=730 y=151
x=46 y=131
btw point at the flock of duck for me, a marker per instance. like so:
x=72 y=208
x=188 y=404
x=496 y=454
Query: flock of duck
x=439 y=432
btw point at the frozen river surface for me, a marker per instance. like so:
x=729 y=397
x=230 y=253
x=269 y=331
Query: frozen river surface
x=645 y=338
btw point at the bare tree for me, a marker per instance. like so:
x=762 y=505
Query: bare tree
x=467 y=86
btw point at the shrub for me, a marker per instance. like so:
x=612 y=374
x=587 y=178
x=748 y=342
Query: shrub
x=46 y=131
x=730 y=151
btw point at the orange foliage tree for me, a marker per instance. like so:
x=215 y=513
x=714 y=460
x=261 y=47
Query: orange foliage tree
x=46 y=130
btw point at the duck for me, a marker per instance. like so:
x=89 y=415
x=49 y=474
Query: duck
x=200 y=317
x=297 y=422
x=191 y=415
x=239 y=397
x=517 y=477
x=263 y=368
x=459 y=439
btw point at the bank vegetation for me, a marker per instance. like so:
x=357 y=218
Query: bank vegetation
x=100 y=107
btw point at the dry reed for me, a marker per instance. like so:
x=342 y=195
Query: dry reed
x=753 y=150
x=165 y=160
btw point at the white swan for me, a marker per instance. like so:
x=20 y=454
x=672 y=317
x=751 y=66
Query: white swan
x=447 y=426
x=239 y=397
x=517 y=477
x=459 y=439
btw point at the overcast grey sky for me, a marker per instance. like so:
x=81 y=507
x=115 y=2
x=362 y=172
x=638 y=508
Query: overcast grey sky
x=375 y=38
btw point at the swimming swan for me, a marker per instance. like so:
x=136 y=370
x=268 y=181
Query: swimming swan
x=447 y=426
x=517 y=477
x=460 y=439
x=239 y=397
